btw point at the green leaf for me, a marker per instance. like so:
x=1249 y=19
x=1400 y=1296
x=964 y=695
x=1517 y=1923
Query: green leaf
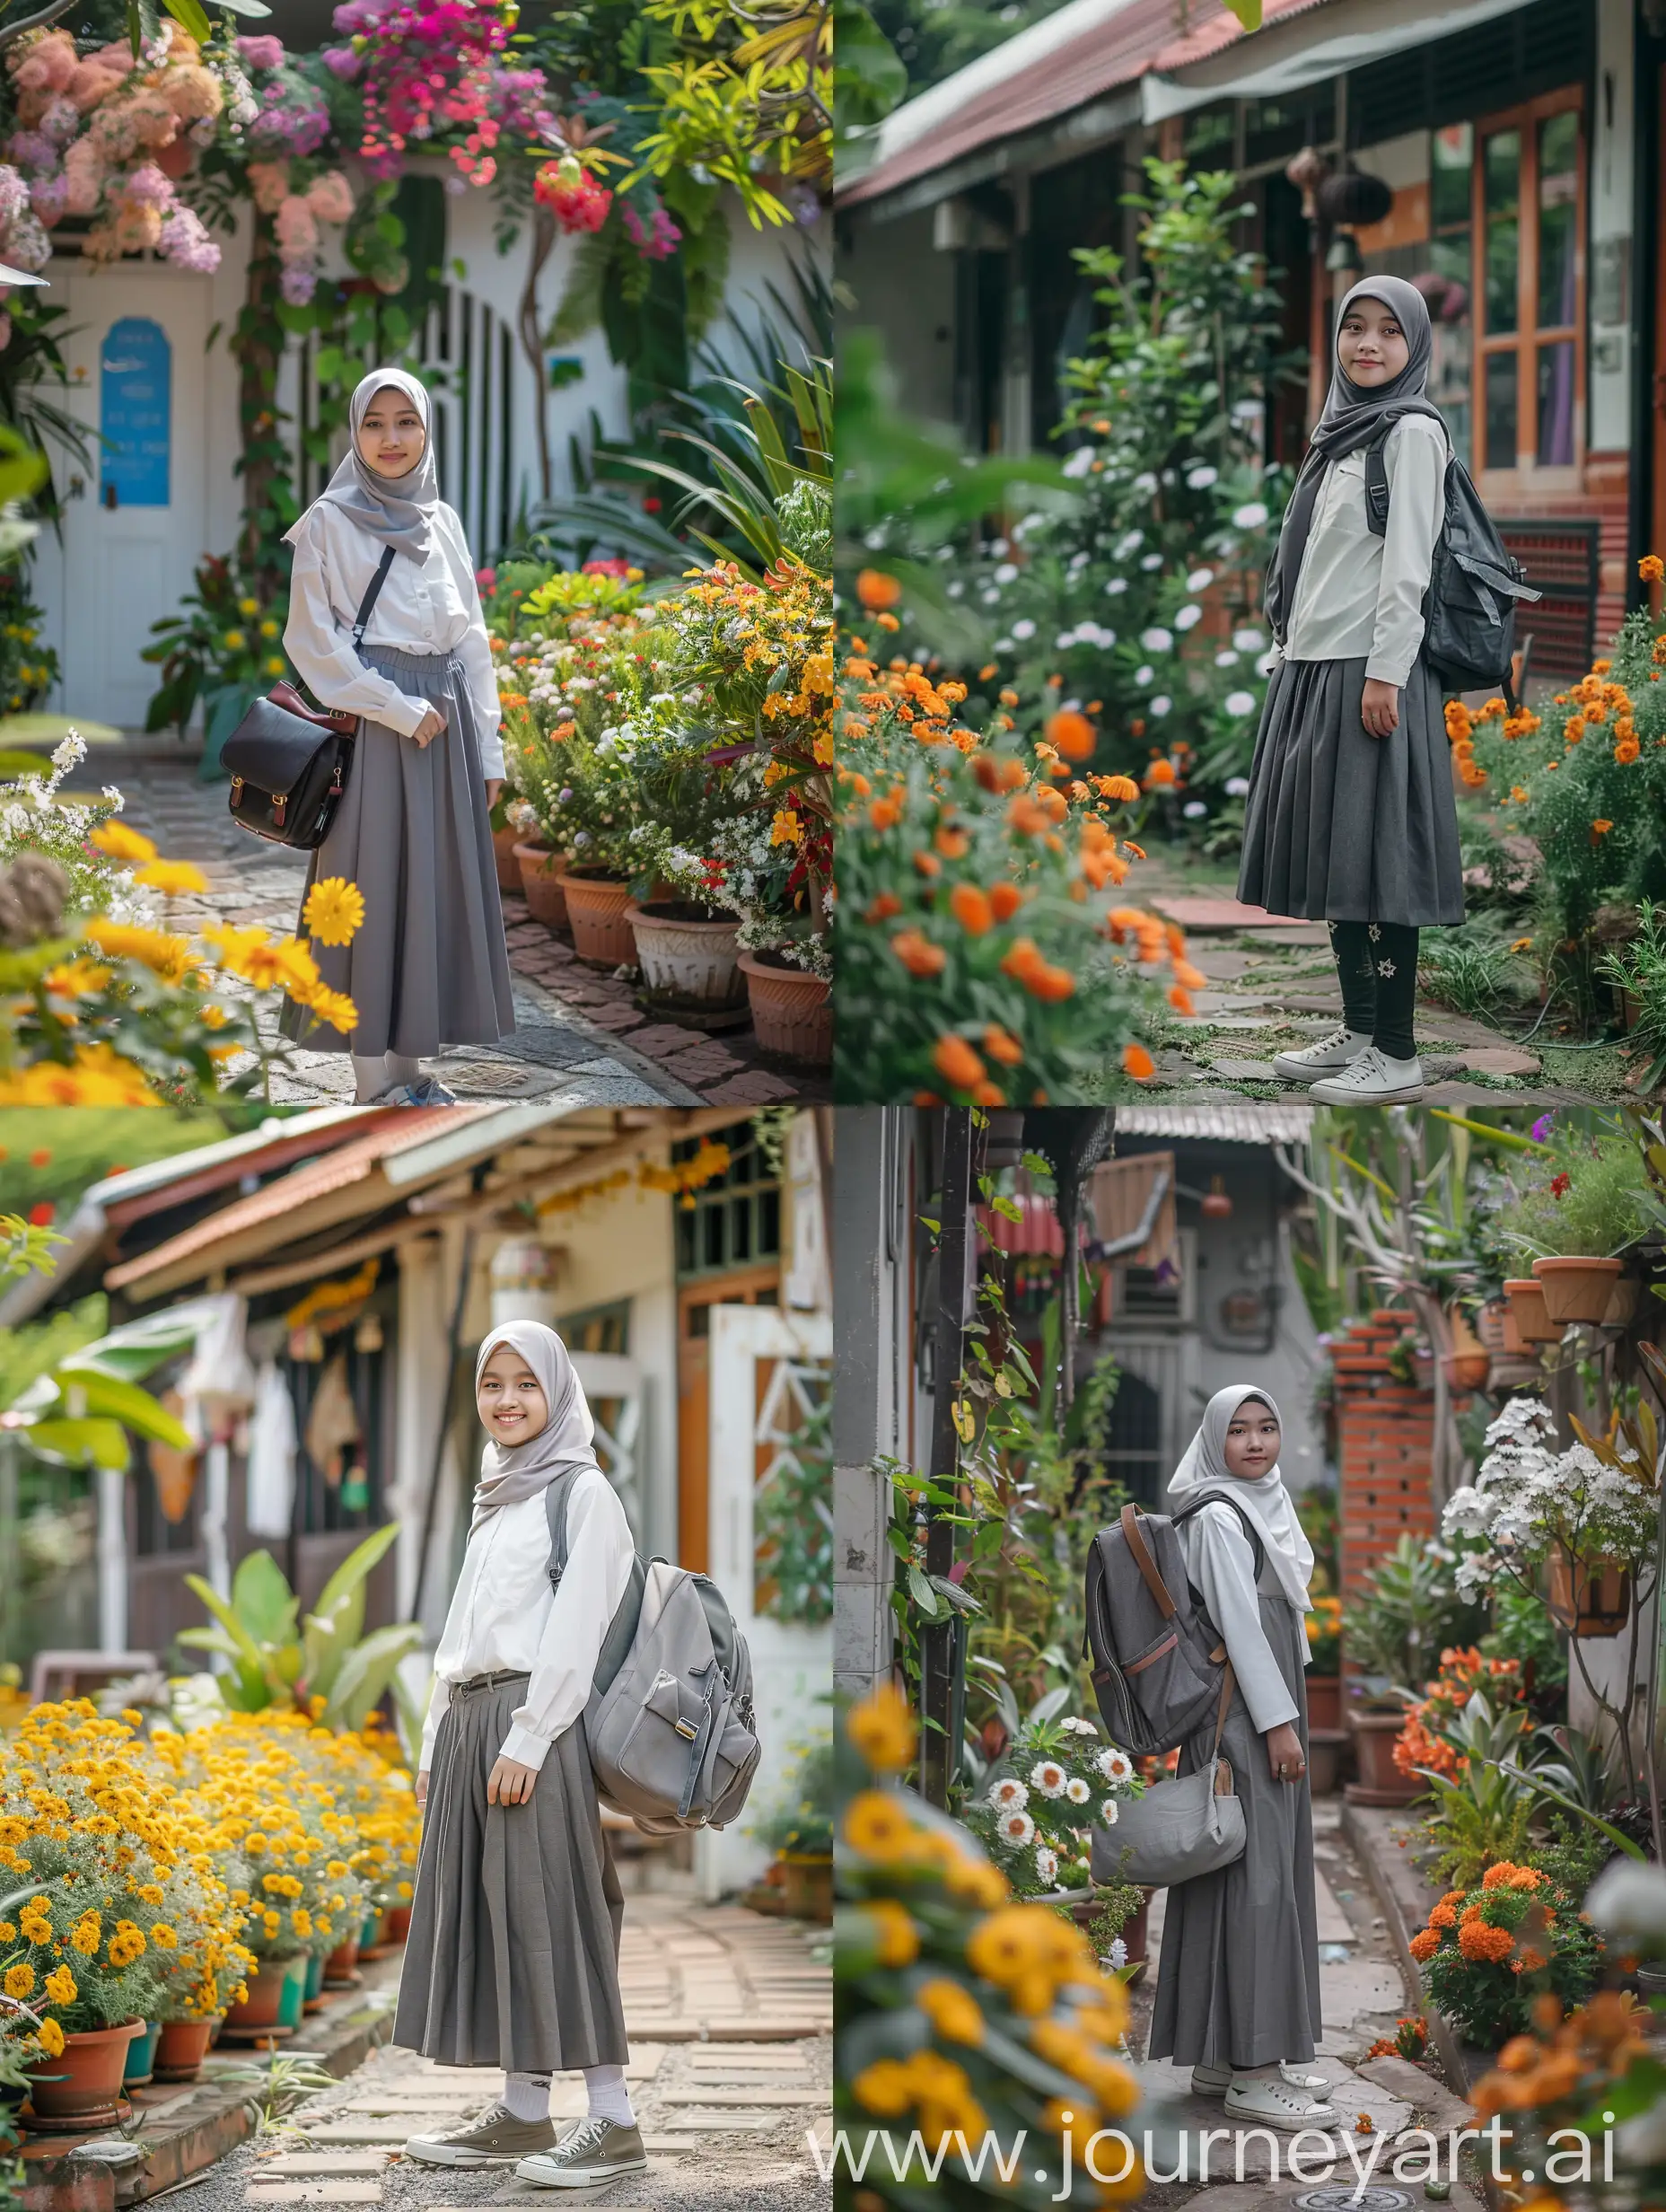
x=242 y=1641
x=925 y=1597
x=263 y=1600
x=126 y=1402
x=367 y=1671
x=357 y=1565
x=190 y=15
x=77 y=1443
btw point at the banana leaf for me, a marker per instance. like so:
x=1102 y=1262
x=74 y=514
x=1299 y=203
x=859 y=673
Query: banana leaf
x=367 y=1671
x=263 y=1601
x=70 y=1443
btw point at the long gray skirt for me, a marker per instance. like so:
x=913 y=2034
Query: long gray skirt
x=1340 y=826
x=428 y=966
x=513 y=1955
x=1238 y=1973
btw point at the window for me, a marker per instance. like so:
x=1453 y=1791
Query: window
x=598 y=1329
x=1528 y=198
x=734 y=1221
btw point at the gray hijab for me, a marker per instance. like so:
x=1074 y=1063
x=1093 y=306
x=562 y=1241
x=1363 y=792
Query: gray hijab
x=397 y=510
x=520 y=1470
x=1266 y=1499
x=1352 y=415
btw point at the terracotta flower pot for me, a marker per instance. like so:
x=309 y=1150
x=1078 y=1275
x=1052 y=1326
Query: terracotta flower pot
x=1084 y=1909
x=141 y=2056
x=399 y=1923
x=596 y=907
x=1466 y=1362
x=81 y=2089
x=258 y=2014
x=807 y=1884
x=1594 y=1602
x=505 y=846
x=341 y=1967
x=1324 y=1700
x=685 y=952
x=181 y=2050
x=1533 y=1325
x=791 y=1009
x=1576 y=1289
x=1325 y=1747
x=536 y=876
x=1492 y=1325
x=1381 y=1781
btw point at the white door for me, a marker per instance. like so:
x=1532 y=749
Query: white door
x=791 y=1663
x=614 y=1391
x=134 y=521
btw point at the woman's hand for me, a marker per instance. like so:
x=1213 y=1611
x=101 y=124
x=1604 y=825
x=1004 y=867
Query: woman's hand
x=1286 y=1759
x=510 y=1783
x=494 y=790
x=421 y=1788
x=432 y=726
x=1380 y=710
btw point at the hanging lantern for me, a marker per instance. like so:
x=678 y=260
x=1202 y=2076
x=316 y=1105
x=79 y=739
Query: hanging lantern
x=1216 y=1204
x=367 y=1336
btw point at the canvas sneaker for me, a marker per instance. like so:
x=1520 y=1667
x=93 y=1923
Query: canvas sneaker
x=1274 y=2103
x=1215 y=2081
x=1328 y=1057
x=495 y=2139
x=592 y=2150
x=1372 y=1080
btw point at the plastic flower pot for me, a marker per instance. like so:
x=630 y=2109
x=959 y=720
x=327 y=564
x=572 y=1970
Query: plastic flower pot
x=313 y=1988
x=1576 y=1289
x=1533 y=1325
x=596 y=907
x=686 y=952
x=141 y=2056
x=381 y=1943
x=295 y=1991
x=791 y=1009
x=341 y=1967
x=367 y=1933
x=546 y=900
x=81 y=2089
x=181 y=2047
x=505 y=847
x=1466 y=1362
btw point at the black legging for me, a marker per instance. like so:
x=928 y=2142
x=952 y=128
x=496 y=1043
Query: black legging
x=1377 y=968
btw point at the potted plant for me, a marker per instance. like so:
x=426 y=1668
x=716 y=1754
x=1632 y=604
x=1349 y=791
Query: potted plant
x=1527 y=1935
x=799 y=1829
x=1580 y=1201
x=1046 y=1808
x=1467 y=1360
x=1411 y=1609
x=1324 y=1668
x=1529 y=1317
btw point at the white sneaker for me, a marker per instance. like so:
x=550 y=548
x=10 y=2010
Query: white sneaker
x=1340 y=1050
x=1215 y=2081
x=1372 y=1080
x=1275 y=2104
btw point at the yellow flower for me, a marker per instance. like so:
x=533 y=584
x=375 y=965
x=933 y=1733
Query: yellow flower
x=51 y=2038
x=61 y=1987
x=896 y=1940
x=170 y=957
x=234 y=641
x=951 y=2010
x=276 y=664
x=171 y=877
x=76 y=979
x=96 y=1076
x=883 y=1728
x=268 y=628
x=248 y=606
x=86 y=1935
x=121 y=843
x=876 y=1824
x=786 y=828
x=334 y=909
x=164 y=1937
x=20 y=1981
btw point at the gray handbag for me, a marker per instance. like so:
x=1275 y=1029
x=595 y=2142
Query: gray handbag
x=1187 y=1826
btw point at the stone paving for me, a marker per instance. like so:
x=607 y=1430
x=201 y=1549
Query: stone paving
x=580 y=1037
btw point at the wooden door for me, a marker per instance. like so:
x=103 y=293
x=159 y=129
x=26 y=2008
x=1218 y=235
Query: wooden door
x=746 y=1286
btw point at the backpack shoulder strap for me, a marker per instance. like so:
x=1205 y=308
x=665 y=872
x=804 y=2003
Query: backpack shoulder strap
x=1225 y=1497
x=1377 y=484
x=1135 y=1536
x=555 y=1496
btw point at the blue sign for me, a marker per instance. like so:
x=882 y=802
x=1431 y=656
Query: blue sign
x=136 y=410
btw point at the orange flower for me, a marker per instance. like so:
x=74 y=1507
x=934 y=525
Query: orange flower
x=1479 y=1942
x=1423 y=1945
x=1600 y=829
x=1576 y=729
x=1001 y=1045
x=984 y=674
x=884 y=906
x=876 y=590
x=1071 y=732
x=1159 y=772
x=1118 y=787
x=1652 y=568
x=917 y=953
x=1180 y=1000
x=1005 y=901
x=1008 y=698
x=1137 y=1062
x=971 y=909
x=885 y=813
x=951 y=843
x=1192 y=977
x=1626 y=750
x=928 y=863
x=956 y=1062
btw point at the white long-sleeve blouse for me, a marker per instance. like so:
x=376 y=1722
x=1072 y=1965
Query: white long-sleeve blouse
x=1221 y=1562
x=504 y=1617
x=1358 y=594
x=431 y=609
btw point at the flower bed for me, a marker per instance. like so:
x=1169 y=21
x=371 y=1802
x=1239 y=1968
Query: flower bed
x=1486 y=1953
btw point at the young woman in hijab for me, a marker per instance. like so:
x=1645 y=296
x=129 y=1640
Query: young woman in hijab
x=428 y=965
x=1351 y=818
x=1237 y=1976
x=513 y=1955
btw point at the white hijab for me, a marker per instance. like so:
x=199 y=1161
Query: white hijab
x=509 y=1473
x=397 y=510
x=1266 y=1499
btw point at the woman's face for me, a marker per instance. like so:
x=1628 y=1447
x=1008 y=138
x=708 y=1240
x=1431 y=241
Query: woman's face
x=1371 y=345
x=1252 y=1440
x=391 y=436
x=511 y=1398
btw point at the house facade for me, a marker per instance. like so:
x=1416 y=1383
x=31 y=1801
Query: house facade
x=1503 y=154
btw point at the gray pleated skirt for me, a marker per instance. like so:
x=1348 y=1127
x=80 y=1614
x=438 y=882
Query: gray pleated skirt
x=428 y=966
x=513 y=1955
x=1238 y=1974
x=1340 y=826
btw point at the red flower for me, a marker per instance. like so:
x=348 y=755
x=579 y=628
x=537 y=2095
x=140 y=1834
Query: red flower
x=1560 y=1185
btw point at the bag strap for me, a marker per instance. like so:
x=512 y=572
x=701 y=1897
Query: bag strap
x=622 y=1628
x=1228 y=1679
x=371 y=596
x=1136 y=1539
x=1377 y=485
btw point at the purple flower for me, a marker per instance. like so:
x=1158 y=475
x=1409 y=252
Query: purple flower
x=33 y=149
x=185 y=242
x=49 y=197
x=342 y=62
x=148 y=187
x=261 y=51
x=1541 y=1128
x=299 y=282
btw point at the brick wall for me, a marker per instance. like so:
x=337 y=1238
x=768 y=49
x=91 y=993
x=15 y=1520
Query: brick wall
x=1385 y=1433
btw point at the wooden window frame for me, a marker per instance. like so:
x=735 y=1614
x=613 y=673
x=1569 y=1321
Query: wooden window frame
x=1526 y=476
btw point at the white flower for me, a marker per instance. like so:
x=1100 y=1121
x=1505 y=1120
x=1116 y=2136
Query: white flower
x=955 y=587
x=1246 y=411
x=1026 y=628
x=1078 y=561
x=1003 y=644
x=1249 y=640
x=1144 y=673
x=1200 y=479
x=875 y=540
x=1047 y=1865
x=1199 y=579
x=1074 y=1726
x=1016 y=1829
x=1193 y=809
x=1240 y=702
x=1160 y=704
x=1144 y=482
x=1130 y=542
x=1151 y=561
x=991 y=598
x=1007 y=573
x=1118 y=1953
x=1114 y=1765
x=1064 y=640
x=1237 y=786
x=1077 y=1790
x=1009 y=1792
x=1107 y=1812
x=1188 y=616
x=1251 y=516
x=998 y=548
x=1079 y=463
x=1226 y=658
x=1116 y=587
x=1048 y=1777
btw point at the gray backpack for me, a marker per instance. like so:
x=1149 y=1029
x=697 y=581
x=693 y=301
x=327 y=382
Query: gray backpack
x=669 y=1722
x=1157 y=1658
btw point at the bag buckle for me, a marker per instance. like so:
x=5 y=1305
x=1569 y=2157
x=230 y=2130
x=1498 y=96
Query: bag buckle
x=237 y=790
x=280 y=801
x=686 y=1728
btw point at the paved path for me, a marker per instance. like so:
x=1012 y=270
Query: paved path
x=730 y=2019
x=580 y=1037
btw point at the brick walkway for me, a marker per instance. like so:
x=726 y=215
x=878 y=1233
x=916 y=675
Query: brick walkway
x=580 y=1037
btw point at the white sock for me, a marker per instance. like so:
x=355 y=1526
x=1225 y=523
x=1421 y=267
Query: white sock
x=370 y=1075
x=527 y=2095
x=610 y=2099
x=403 y=1070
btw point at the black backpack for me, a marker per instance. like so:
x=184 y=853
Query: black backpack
x=1157 y=1658
x=1468 y=610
